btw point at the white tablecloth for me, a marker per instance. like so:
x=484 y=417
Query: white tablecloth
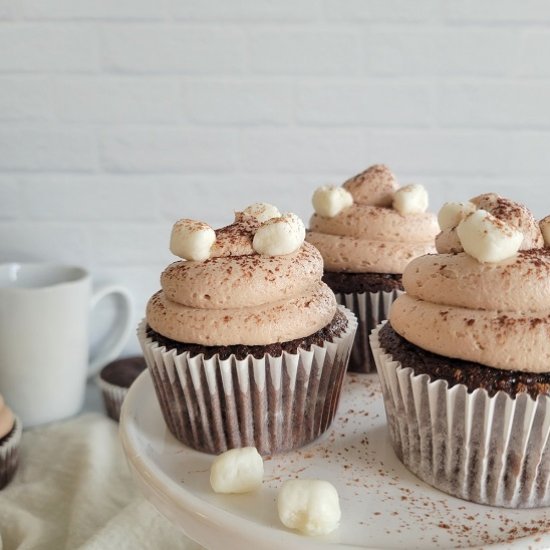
x=73 y=490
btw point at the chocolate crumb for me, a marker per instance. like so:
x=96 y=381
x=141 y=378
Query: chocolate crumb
x=457 y=371
x=347 y=283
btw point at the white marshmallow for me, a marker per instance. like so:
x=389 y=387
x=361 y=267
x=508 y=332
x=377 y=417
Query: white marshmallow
x=411 y=199
x=544 y=225
x=279 y=236
x=452 y=213
x=329 y=200
x=237 y=471
x=488 y=239
x=262 y=211
x=192 y=240
x=309 y=505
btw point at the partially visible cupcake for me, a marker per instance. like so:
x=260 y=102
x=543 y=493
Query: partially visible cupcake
x=464 y=360
x=10 y=437
x=115 y=379
x=245 y=344
x=367 y=231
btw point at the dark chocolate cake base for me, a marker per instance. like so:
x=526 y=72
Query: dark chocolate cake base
x=457 y=371
x=334 y=329
x=362 y=282
x=369 y=296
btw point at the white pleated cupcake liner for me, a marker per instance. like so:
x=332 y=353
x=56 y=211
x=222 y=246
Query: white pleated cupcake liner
x=370 y=309
x=274 y=403
x=113 y=397
x=489 y=450
x=9 y=453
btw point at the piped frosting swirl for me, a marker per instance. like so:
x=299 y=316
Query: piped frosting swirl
x=239 y=296
x=494 y=313
x=370 y=234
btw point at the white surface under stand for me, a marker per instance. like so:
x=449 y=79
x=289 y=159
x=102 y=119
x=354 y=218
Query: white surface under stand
x=383 y=505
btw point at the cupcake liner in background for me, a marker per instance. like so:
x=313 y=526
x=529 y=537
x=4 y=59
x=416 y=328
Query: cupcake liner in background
x=9 y=453
x=114 y=380
x=489 y=450
x=274 y=403
x=370 y=309
x=113 y=396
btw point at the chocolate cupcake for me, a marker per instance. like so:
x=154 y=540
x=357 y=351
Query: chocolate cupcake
x=10 y=437
x=114 y=380
x=245 y=344
x=367 y=231
x=464 y=360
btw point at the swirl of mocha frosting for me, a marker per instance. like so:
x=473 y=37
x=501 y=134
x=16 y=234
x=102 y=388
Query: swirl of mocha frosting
x=371 y=236
x=6 y=419
x=238 y=296
x=496 y=314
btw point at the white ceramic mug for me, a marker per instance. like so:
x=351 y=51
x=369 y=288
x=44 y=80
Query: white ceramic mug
x=44 y=338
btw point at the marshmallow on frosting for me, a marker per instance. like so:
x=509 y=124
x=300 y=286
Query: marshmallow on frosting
x=192 y=240
x=452 y=213
x=279 y=236
x=515 y=215
x=262 y=211
x=411 y=199
x=329 y=200
x=487 y=238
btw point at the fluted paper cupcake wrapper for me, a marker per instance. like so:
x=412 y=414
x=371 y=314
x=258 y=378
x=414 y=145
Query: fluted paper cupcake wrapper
x=113 y=397
x=9 y=454
x=370 y=309
x=274 y=403
x=489 y=450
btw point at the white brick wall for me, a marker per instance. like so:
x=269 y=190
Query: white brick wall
x=119 y=117
x=366 y=102
x=239 y=102
x=48 y=48
x=47 y=148
x=168 y=149
x=115 y=100
x=167 y=48
x=25 y=98
x=298 y=52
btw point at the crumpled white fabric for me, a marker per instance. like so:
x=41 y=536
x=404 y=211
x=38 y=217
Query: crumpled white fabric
x=73 y=490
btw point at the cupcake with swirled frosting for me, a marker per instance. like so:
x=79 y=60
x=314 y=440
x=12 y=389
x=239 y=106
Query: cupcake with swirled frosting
x=464 y=360
x=367 y=231
x=10 y=437
x=245 y=343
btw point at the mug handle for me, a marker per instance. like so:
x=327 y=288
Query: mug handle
x=115 y=341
